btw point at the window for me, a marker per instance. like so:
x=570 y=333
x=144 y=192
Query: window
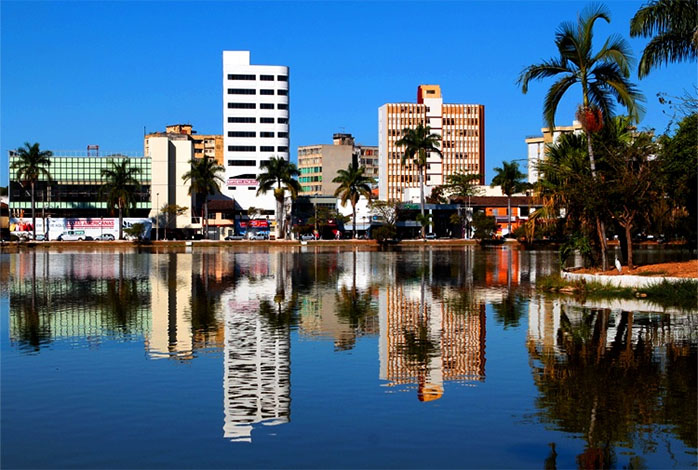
x=282 y=106
x=282 y=78
x=242 y=105
x=266 y=149
x=266 y=120
x=282 y=134
x=282 y=92
x=241 y=77
x=282 y=149
x=232 y=188
x=282 y=120
x=242 y=91
x=251 y=188
x=266 y=78
x=266 y=92
x=242 y=134
x=241 y=148
x=266 y=134
x=241 y=163
x=262 y=162
x=242 y=119
x=266 y=106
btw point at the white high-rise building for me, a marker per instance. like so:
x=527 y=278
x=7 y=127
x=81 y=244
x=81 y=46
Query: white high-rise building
x=255 y=125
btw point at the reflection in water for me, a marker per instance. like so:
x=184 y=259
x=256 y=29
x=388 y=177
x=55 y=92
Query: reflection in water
x=619 y=379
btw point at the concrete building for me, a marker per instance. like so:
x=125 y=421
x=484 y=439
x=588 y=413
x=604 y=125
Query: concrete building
x=536 y=145
x=462 y=130
x=205 y=145
x=255 y=125
x=171 y=155
x=319 y=164
x=75 y=184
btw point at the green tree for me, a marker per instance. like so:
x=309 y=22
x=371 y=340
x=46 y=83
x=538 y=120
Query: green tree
x=511 y=180
x=673 y=27
x=171 y=210
x=678 y=161
x=352 y=185
x=419 y=143
x=485 y=226
x=462 y=186
x=603 y=77
x=29 y=167
x=204 y=180
x=279 y=175
x=119 y=187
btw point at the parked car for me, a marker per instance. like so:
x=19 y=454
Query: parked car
x=106 y=237
x=73 y=235
x=257 y=236
x=307 y=236
x=234 y=237
x=430 y=236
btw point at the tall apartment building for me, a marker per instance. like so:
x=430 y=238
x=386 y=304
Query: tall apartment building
x=536 y=145
x=319 y=164
x=462 y=131
x=255 y=125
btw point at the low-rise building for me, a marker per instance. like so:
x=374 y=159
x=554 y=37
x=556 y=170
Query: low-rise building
x=319 y=164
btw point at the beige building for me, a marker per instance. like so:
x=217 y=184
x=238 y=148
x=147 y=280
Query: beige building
x=536 y=145
x=462 y=131
x=319 y=164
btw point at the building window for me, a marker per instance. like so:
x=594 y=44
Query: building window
x=266 y=134
x=241 y=77
x=242 y=148
x=282 y=106
x=241 y=163
x=251 y=188
x=242 y=105
x=282 y=92
x=282 y=149
x=266 y=106
x=242 y=134
x=282 y=120
x=266 y=78
x=266 y=120
x=266 y=149
x=282 y=78
x=242 y=91
x=282 y=134
x=263 y=162
x=242 y=119
x=266 y=92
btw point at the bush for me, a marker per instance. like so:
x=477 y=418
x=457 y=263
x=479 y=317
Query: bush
x=485 y=227
x=384 y=233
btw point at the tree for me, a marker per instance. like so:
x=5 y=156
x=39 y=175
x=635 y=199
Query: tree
x=603 y=77
x=30 y=166
x=462 y=186
x=485 y=226
x=171 y=210
x=135 y=231
x=510 y=178
x=352 y=185
x=279 y=175
x=419 y=143
x=204 y=180
x=672 y=25
x=119 y=187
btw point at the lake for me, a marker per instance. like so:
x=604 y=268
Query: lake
x=334 y=358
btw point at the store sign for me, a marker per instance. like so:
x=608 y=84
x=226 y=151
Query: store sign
x=242 y=182
x=255 y=224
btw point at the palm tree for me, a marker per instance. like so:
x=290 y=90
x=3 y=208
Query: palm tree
x=30 y=167
x=419 y=143
x=204 y=180
x=352 y=185
x=674 y=25
x=463 y=186
x=279 y=175
x=603 y=76
x=510 y=178
x=120 y=187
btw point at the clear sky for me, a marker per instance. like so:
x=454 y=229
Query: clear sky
x=79 y=73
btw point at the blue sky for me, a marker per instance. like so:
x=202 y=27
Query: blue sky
x=79 y=73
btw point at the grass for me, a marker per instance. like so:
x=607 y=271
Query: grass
x=682 y=294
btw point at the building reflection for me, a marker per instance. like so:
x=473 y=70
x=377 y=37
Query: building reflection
x=620 y=379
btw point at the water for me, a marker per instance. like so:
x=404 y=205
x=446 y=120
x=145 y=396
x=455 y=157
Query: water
x=312 y=357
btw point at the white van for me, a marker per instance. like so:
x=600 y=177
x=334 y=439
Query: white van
x=73 y=235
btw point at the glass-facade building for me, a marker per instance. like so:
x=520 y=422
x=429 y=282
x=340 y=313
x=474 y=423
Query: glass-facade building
x=75 y=187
